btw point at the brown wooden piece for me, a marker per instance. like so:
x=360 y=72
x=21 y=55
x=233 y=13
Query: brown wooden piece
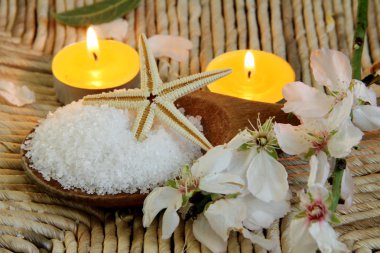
x=222 y=118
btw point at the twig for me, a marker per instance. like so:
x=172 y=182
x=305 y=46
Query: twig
x=337 y=176
x=359 y=36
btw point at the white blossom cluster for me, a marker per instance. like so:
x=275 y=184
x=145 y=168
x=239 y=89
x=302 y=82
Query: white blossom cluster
x=241 y=186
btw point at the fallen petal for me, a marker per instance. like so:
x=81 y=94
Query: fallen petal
x=171 y=46
x=116 y=29
x=16 y=95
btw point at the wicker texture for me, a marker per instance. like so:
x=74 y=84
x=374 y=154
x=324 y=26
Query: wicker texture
x=32 y=221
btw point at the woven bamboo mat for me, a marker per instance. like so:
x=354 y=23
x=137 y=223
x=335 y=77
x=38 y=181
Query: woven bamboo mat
x=32 y=221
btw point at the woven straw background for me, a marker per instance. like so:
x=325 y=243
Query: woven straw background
x=32 y=221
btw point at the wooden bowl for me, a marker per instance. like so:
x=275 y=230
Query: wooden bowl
x=222 y=118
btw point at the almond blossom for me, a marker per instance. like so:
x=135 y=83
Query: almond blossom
x=266 y=177
x=311 y=229
x=242 y=214
x=344 y=97
x=316 y=136
x=205 y=175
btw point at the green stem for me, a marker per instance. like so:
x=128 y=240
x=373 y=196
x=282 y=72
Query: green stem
x=360 y=31
x=337 y=176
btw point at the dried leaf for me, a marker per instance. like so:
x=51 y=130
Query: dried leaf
x=97 y=13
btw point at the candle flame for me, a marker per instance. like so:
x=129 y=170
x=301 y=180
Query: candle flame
x=92 y=43
x=249 y=64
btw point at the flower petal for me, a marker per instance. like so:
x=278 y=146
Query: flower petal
x=366 y=117
x=267 y=178
x=116 y=29
x=290 y=139
x=207 y=236
x=223 y=218
x=15 y=94
x=326 y=238
x=300 y=240
x=362 y=92
x=215 y=160
x=261 y=214
x=170 y=221
x=223 y=183
x=240 y=162
x=160 y=198
x=318 y=192
x=319 y=169
x=305 y=101
x=175 y=47
x=341 y=112
x=241 y=138
x=260 y=240
x=347 y=190
x=331 y=68
x=341 y=143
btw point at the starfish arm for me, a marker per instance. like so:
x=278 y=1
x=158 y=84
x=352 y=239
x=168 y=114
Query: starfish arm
x=144 y=121
x=178 y=88
x=118 y=98
x=149 y=76
x=168 y=113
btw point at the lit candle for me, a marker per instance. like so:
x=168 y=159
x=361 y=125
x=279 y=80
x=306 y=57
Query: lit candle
x=256 y=75
x=94 y=66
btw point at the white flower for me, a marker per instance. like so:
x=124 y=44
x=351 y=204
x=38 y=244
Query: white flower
x=261 y=214
x=332 y=71
x=253 y=159
x=163 y=198
x=318 y=135
x=212 y=228
x=305 y=101
x=204 y=233
x=207 y=174
x=267 y=178
x=313 y=231
x=366 y=114
x=211 y=172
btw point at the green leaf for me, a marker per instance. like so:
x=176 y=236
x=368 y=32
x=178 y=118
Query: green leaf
x=97 y=13
x=273 y=153
x=171 y=183
x=245 y=146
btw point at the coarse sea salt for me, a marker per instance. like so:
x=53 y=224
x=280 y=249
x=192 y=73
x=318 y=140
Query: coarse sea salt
x=92 y=148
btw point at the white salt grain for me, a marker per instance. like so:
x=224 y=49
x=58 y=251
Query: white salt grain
x=93 y=149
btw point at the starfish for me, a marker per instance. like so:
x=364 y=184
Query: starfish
x=156 y=99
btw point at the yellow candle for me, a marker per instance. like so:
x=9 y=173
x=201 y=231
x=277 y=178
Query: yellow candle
x=93 y=66
x=256 y=75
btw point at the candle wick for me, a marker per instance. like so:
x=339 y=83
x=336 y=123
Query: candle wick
x=95 y=56
x=249 y=74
